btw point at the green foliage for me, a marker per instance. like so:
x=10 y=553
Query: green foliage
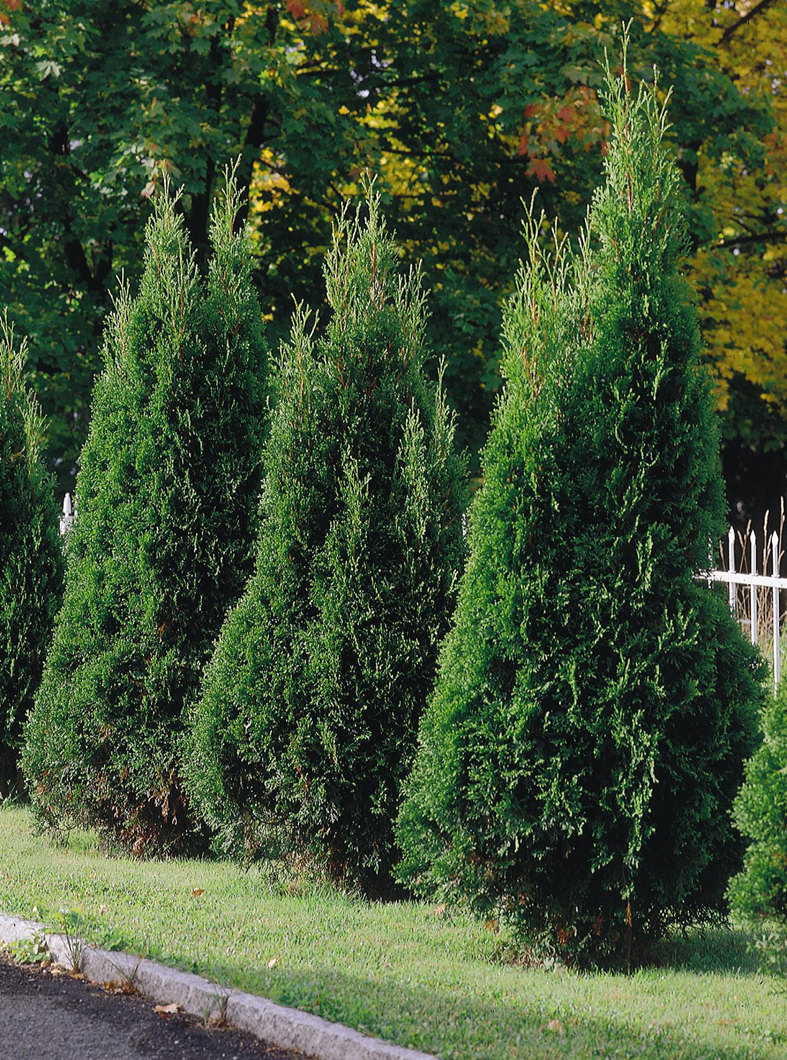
x=309 y=714
x=594 y=706
x=462 y=108
x=32 y=950
x=31 y=560
x=163 y=541
x=759 y=893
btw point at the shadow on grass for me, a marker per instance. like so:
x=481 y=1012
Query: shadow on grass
x=453 y=1023
x=722 y=950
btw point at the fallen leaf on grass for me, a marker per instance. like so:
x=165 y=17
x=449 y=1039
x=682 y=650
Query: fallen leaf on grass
x=167 y=1010
x=556 y=1026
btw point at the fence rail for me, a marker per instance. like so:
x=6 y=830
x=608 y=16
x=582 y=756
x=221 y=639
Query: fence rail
x=758 y=610
x=755 y=598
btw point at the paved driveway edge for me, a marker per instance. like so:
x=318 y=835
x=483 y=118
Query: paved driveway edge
x=285 y=1027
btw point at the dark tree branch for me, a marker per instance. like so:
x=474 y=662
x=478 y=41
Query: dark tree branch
x=76 y=259
x=199 y=212
x=754 y=237
x=660 y=11
x=691 y=169
x=758 y=9
x=255 y=131
x=255 y=137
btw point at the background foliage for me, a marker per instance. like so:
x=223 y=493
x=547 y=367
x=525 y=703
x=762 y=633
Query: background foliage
x=460 y=107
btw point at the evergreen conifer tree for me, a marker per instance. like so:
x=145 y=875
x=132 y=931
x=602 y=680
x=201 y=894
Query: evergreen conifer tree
x=309 y=714
x=163 y=542
x=759 y=893
x=31 y=558
x=594 y=704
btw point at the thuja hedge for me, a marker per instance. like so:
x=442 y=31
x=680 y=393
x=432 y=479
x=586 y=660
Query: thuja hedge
x=595 y=700
x=31 y=559
x=759 y=893
x=308 y=720
x=167 y=495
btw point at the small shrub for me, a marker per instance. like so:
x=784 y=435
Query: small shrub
x=308 y=717
x=31 y=558
x=163 y=542
x=759 y=892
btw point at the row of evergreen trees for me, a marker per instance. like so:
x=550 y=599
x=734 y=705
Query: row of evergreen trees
x=594 y=703
x=31 y=561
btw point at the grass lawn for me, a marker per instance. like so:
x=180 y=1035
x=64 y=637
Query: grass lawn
x=400 y=971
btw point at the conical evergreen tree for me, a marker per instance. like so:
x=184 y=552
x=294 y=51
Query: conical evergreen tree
x=759 y=893
x=31 y=557
x=308 y=720
x=163 y=541
x=595 y=700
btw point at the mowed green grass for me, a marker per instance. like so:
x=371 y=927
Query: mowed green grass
x=401 y=971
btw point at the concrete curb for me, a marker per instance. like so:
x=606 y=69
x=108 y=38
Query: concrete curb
x=287 y=1028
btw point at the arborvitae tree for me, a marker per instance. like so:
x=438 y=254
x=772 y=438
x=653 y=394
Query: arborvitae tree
x=31 y=557
x=595 y=699
x=311 y=703
x=759 y=893
x=163 y=542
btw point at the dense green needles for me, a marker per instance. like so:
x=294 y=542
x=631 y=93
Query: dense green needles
x=759 y=893
x=596 y=700
x=167 y=495
x=31 y=559
x=581 y=750
x=308 y=720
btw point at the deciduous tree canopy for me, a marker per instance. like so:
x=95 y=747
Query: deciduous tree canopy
x=460 y=107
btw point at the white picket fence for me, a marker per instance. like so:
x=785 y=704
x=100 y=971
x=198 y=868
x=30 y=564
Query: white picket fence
x=755 y=599
x=68 y=516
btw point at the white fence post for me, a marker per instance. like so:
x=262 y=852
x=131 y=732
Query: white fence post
x=731 y=567
x=68 y=516
x=753 y=588
x=776 y=616
x=754 y=582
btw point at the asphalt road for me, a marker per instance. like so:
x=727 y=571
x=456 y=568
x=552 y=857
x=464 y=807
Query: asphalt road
x=46 y=1016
